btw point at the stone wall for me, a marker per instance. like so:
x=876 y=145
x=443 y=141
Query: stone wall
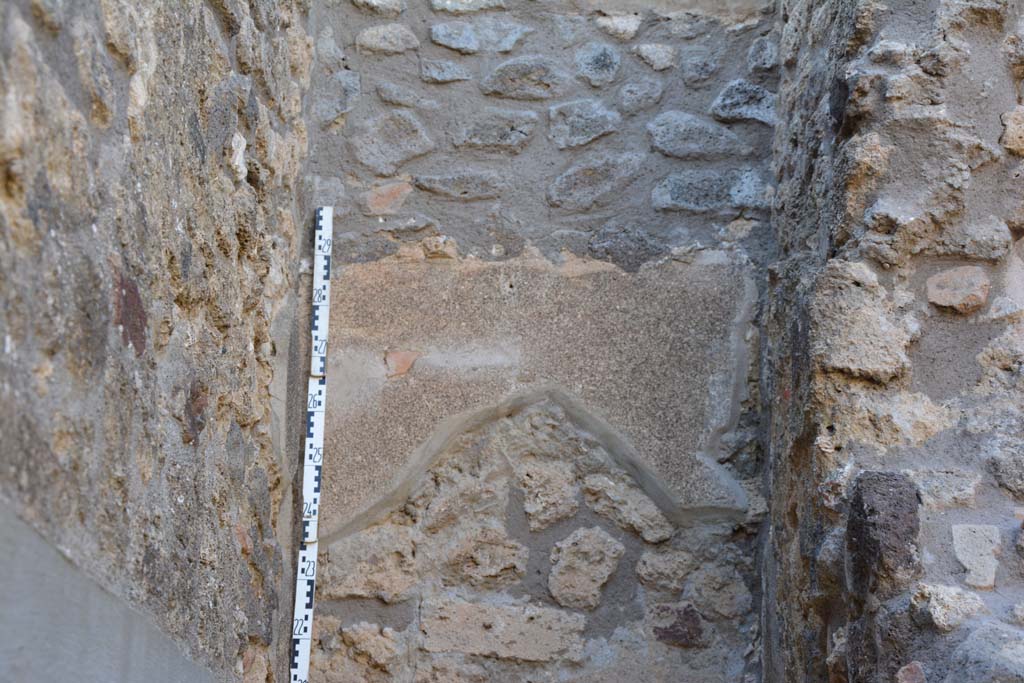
x=894 y=381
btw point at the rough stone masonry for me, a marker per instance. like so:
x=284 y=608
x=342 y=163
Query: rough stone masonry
x=671 y=340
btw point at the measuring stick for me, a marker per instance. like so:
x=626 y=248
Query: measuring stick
x=313 y=449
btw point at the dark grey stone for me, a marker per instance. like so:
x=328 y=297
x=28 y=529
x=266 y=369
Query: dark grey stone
x=744 y=101
x=576 y=123
x=598 y=63
x=683 y=135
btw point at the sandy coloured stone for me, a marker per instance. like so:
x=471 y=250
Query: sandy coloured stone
x=467 y=185
x=549 y=490
x=666 y=570
x=497 y=129
x=338 y=97
x=486 y=557
x=377 y=644
x=1013 y=130
x=598 y=63
x=525 y=78
x=742 y=100
x=697 y=65
x=581 y=565
x=706 y=191
x=385 y=199
x=628 y=506
x=946 y=606
x=620 y=26
x=385 y=8
x=526 y=633
x=685 y=136
x=379 y=562
x=718 y=589
x=658 y=56
x=576 y=123
x=944 y=489
x=389 y=39
x=977 y=547
x=964 y=289
x=641 y=94
x=386 y=142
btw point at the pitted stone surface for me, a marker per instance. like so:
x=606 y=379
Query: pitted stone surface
x=525 y=78
x=658 y=56
x=498 y=129
x=641 y=94
x=576 y=123
x=580 y=565
x=947 y=607
x=594 y=181
x=683 y=135
x=700 y=191
x=627 y=506
x=744 y=101
x=598 y=63
x=977 y=548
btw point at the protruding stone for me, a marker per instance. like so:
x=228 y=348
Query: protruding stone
x=385 y=199
x=628 y=506
x=911 y=673
x=977 y=547
x=337 y=97
x=683 y=135
x=465 y=6
x=515 y=632
x=658 y=56
x=500 y=35
x=594 y=181
x=581 y=565
x=763 y=55
x=744 y=101
x=467 y=185
x=486 y=557
x=576 y=123
x=525 y=78
x=703 y=191
x=386 y=142
x=439 y=247
x=666 y=570
x=944 y=489
x=640 y=94
x=389 y=39
x=1008 y=467
x=549 y=490
x=442 y=71
x=497 y=129
x=403 y=97
x=993 y=653
x=987 y=238
x=964 y=289
x=946 y=606
x=881 y=535
x=379 y=645
x=457 y=35
x=379 y=562
x=598 y=63
x=1013 y=130
x=620 y=26
x=697 y=65
x=385 y=8
x=679 y=625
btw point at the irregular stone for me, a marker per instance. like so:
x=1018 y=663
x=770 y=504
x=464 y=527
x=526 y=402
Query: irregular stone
x=658 y=56
x=881 y=534
x=328 y=54
x=989 y=239
x=946 y=606
x=549 y=490
x=442 y=71
x=626 y=242
x=640 y=94
x=385 y=199
x=379 y=562
x=718 y=589
x=620 y=26
x=389 y=39
x=911 y=673
x=853 y=321
x=400 y=362
x=683 y=135
x=1013 y=130
x=628 y=506
x=678 y=625
x=337 y=97
x=439 y=247
x=465 y=6
x=457 y=35
x=666 y=570
x=403 y=97
x=1008 y=467
x=525 y=78
x=389 y=140
x=944 y=489
x=578 y=122
x=1018 y=613
x=467 y=186
x=499 y=35
x=744 y=101
x=379 y=645
x=581 y=565
x=993 y=653
x=486 y=557
x=594 y=181
x=976 y=547
x=702 y=191
x=964 y=289
x=763 y=55
x=598 y=63
x=498 y=129
x=525 y=633
x=697 y=65
x=385 y=8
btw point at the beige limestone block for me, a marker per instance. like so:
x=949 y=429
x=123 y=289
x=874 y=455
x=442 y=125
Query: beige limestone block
x=379 y=562
x=626 y=505
x=485 y=557
x=976 y=547
x=943 y=489
x=665 y=571
x=964 y=289
x=518 y=632
x=946 y=606
x=1013 y=130
x=549 y=491
x=581 y=565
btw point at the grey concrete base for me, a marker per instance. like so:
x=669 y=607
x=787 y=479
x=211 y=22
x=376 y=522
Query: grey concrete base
x=57 y=625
